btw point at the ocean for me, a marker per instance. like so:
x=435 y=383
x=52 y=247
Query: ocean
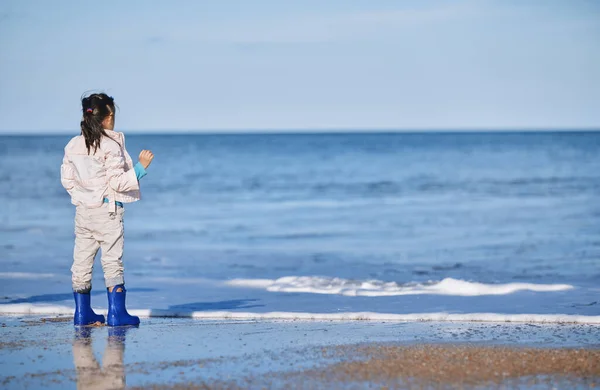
x=499 y=226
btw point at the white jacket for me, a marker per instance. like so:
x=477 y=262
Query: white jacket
x=107 y=173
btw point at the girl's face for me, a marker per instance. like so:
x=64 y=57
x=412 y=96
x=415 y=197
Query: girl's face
x=109 y=122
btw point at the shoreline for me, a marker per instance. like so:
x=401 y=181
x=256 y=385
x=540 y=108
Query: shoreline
x=55 y=310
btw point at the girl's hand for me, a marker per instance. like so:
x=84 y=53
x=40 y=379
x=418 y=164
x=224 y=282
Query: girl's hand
x=146 y=158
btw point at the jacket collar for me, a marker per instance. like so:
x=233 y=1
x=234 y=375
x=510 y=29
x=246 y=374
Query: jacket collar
x=114 y=134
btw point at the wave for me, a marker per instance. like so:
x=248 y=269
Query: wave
x=24 y=275
x=377 y=288
x=28 y=308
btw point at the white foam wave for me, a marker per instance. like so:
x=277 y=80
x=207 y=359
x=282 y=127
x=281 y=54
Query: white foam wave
x=377 y=288
x=24 y=275
x=348 y=316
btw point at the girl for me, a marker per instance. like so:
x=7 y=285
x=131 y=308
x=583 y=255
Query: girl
x=100 y=177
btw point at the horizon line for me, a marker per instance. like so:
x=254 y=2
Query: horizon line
x=297 y=131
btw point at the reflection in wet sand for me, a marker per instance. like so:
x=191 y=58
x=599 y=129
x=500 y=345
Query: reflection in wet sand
x=89 y=373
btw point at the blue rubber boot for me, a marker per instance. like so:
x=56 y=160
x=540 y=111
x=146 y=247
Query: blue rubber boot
x=117 y=313
x=84 y=315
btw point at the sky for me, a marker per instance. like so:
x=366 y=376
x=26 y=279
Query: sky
x=302 y=65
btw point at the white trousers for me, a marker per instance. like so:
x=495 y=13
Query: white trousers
x=97 y=228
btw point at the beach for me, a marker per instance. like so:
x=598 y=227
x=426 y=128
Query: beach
x=194 y=354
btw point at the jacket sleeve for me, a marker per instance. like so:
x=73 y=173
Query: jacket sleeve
x=119 y=179
x=67 y=175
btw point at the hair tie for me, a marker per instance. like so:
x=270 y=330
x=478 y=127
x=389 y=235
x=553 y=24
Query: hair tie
x=89 y=110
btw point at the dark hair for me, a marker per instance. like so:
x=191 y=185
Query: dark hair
x=96 y=107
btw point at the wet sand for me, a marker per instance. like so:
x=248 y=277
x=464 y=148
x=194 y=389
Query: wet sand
x=461 y=365
x=190 y=354
x=430 y=366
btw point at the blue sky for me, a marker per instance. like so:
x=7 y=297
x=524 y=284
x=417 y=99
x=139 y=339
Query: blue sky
x=302 y=65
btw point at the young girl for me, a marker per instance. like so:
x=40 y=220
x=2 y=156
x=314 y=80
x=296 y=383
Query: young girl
x=100 y=177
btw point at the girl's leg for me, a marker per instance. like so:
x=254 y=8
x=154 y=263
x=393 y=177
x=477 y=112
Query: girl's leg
x=84 y=253
x=86 y=247
x=110 y=232
x=112 y=254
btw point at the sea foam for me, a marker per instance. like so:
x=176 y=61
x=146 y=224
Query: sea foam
x=25 y=275
x=377 y=288
x=340 y=316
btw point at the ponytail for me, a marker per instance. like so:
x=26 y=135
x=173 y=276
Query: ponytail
x=96 y=108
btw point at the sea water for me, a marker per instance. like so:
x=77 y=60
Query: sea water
x=464 y=226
